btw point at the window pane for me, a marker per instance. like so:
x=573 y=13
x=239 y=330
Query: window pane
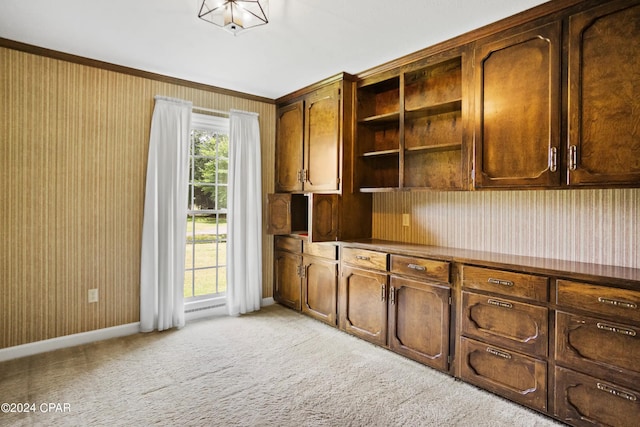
x=206 y=247
x=204 y=197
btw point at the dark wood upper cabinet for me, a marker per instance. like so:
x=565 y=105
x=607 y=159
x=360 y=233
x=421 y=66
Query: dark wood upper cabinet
x=322 y=141
x=308 y=142
x=517 y=117
x=289 y=147
x=604 y=92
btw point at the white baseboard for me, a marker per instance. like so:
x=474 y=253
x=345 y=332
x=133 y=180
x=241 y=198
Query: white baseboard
x=100 y=334
x=68 y=341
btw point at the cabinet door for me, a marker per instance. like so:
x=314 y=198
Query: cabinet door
x=322 y=140
x=289 y=146
x=518 y=110
x=604 y=117
x=419 y=321
x=287 y=281
x=324 y=223
x=320 y=289
x=363 y=304
x=581 y=400
x=287 y=213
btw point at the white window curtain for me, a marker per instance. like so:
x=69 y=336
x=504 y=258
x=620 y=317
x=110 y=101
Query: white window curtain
x=244 y=252
x=165 y=217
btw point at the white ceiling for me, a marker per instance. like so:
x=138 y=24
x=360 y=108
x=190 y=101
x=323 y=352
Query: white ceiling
x=305 y=41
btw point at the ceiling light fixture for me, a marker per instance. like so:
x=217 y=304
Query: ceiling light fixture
x=235 y=15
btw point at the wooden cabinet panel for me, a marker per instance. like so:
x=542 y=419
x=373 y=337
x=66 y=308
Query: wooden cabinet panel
x=365 y=258
x=420 y=268
x=620 y=303
x=320 y=289
x=520 y=378
x=519 y=326
x=287 y=281
x=363 y=304
x=419 y=321
x=322 y=140
x=290 y=244
x=604 y=59
x=606 y=349
x=582 y=400
x=323 y=250
x=517 y=285
x=289 y=145
x=518 y=109
x=324 y=220
x=287 y=213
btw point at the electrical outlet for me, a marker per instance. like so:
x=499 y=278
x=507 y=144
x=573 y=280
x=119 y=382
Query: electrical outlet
x=93 y=295
x=405 y=220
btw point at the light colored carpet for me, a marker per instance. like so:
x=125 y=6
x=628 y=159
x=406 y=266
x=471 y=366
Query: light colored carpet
x=275 y=367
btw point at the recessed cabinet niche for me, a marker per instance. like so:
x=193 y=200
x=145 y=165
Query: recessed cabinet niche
x=410 y=128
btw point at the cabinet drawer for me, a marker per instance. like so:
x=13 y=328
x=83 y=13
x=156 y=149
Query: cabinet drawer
x=420 y=268
x=582 y=400
x=323 y=250
x=519 y=326
x=621 y=303
x=518 y=285
x=520 y=378
x=364 y=258
x=600 y=347
x=288 y=244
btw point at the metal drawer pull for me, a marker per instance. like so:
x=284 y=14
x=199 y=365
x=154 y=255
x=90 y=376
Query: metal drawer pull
x=393 y=295
x=500 y=303
x=618 y=393
x=417 y=267
x=500 y=282
x=363 y=258
x=384 y=289
x=498 y=353
x=622 y=304
x=623 y=331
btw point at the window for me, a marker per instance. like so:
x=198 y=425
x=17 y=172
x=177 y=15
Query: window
x=206 y=240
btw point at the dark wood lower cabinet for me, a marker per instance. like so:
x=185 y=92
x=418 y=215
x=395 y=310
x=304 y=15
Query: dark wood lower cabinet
x=520 y=378
x=363 y=304
x=320 y=289
x=419 y=321
x=569 y=349
x=287 y=282
x=582 y=400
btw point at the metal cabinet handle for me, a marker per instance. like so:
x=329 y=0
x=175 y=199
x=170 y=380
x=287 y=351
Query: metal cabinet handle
x=417 y=267
x=393 y=295
x=500 y=282
x=498 y=353
x=383 y=288
x=573 y=157
x=498 y=303
x=618 y=393
x=553 y=159
x=363 y=258
x=615 y=329
x=618 y=303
